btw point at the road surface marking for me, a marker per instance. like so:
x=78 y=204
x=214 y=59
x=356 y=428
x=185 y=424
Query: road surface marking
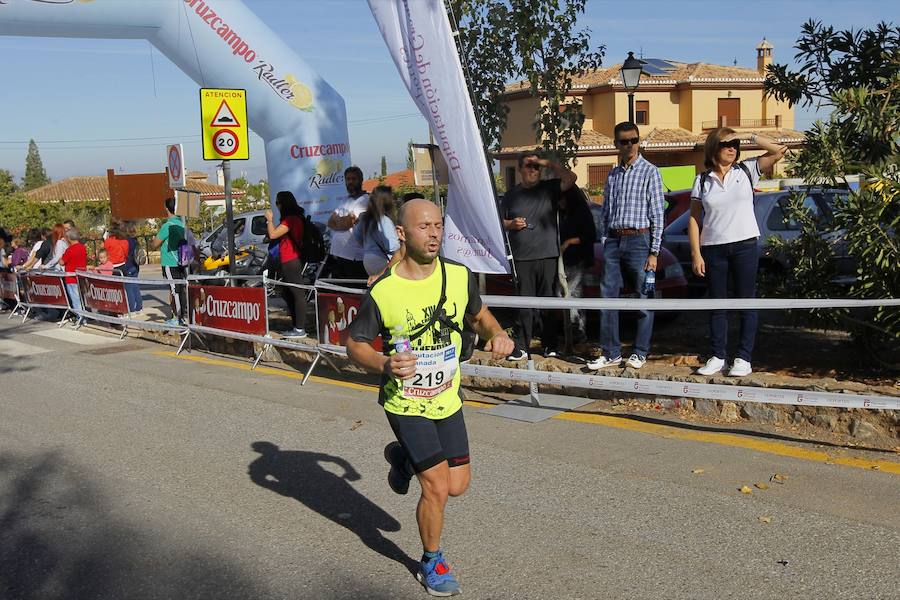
x=14 y=349
x=617 y=422
x=75 y=337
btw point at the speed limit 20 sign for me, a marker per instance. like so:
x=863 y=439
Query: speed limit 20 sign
x=223 y=116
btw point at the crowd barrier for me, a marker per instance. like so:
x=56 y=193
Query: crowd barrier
x=242 y=313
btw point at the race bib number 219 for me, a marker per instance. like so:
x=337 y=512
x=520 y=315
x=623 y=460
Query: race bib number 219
x=435 y=370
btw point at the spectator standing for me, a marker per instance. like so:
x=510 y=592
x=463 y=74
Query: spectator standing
x=726 y=249
x=41 y=249
x=59 y=244
x=376 y=230
x=530 y=215
x=345 y=259
x=132 y=269
x=577 y=232
x=632 y=223
x=19 y=254
x=116 y=245
x=74 y=259
x=290 y=248
x=168 y=241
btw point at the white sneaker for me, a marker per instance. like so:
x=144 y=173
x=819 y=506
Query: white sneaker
x=740 y=368
x=603 y=362
x=712 y=366
x=636 y=361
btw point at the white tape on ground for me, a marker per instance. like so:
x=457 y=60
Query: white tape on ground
x=736 y=393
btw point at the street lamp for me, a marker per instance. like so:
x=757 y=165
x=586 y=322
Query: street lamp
x=631 y=79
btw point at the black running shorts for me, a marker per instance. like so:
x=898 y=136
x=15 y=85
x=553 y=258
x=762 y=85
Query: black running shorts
x=428 y=442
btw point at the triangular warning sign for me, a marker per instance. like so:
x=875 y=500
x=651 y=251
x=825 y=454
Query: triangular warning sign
x=224 y=117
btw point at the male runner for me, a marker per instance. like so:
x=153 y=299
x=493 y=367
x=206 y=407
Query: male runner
x=420 y=388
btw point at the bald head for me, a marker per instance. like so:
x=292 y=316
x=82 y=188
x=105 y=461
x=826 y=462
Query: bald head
x=416 y=210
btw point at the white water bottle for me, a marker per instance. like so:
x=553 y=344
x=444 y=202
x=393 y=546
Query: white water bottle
x=400 y=340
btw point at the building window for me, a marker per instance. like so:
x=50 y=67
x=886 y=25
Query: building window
x=597 y=175
x=642 y=112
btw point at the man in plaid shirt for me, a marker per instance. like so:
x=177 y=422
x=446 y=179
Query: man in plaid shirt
x=632 y=223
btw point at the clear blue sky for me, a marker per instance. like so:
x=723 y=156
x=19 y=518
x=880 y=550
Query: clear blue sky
x=80 y=91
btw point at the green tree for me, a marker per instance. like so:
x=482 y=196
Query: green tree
x=857 y=75
x=35 y=176
x=410 y=161
x=535 y=40
x=256 y=197
x=8 y=185
x=383 y=166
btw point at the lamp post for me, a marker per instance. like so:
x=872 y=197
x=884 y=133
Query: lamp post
x=631 y=79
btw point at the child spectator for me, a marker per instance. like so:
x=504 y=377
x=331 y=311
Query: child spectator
x=19 y=254
x=104 y=265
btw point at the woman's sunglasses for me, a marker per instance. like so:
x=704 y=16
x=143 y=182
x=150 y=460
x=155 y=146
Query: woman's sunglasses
x=736 y=144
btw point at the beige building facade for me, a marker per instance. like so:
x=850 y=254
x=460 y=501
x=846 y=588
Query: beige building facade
x=676 y=106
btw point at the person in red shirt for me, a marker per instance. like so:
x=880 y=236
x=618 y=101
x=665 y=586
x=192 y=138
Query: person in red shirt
x=116 y=245
x=290 y=232
x=74 y=259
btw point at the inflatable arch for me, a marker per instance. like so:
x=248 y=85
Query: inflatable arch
x=221 y=43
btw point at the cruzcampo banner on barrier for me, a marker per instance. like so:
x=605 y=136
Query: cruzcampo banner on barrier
x=8 y=286
x=336 y=311
x=45 y=289
x=419 y=38
x=237 y=309
x=103 y=296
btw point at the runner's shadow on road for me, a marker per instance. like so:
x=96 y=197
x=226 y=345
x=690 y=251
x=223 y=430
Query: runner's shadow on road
x=300 y=475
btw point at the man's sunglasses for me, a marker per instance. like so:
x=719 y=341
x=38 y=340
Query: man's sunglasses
x=533 y=166
x=628 y=142
x=736 y=144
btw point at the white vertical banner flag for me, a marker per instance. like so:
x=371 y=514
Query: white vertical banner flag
x=418 y=35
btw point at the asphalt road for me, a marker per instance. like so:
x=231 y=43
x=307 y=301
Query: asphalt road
x=126 y=472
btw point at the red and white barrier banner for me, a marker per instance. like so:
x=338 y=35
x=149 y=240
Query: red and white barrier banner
x=8 y=286
x=336 y=311
x=238 y=309
x=45 y=290
x=103 y=296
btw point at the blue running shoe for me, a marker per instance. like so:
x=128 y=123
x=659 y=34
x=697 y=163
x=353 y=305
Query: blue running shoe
x=437 y=578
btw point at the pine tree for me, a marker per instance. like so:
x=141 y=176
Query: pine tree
x=35 y=176
x=383 y=166
x=410 y=161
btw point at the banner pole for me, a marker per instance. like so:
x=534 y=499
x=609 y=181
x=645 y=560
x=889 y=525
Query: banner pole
x=229 y=214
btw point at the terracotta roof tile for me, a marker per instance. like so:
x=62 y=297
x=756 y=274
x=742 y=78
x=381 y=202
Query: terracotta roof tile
x=96 y=188
x=684 y=72
x=395 y=179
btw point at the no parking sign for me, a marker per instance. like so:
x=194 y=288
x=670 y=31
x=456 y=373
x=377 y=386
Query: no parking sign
x=175 y=164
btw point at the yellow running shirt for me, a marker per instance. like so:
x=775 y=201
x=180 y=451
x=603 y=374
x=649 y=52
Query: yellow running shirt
x=394 y=303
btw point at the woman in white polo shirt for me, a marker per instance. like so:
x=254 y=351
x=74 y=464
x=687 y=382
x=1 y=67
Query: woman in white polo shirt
x=726 y=246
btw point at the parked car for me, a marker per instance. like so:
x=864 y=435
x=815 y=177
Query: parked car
x=770 y=209
x=249 y=228
x=678 y=202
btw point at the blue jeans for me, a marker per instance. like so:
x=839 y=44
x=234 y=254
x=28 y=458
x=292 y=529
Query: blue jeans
x=624 y=260
x=132 y=290
x=736 y=262
x=74 y=298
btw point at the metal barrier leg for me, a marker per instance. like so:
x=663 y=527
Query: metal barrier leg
x=187 y=336
x=124 y=332
x=15 y=310
x=331 y=364
x=27 y=312
x=534 y=397
x=311 y=367
x=260 y=355
x=64 y=317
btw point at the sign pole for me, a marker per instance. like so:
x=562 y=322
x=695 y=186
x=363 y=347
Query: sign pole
x=229 y=214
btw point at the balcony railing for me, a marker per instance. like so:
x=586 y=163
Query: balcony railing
x=743 y=123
